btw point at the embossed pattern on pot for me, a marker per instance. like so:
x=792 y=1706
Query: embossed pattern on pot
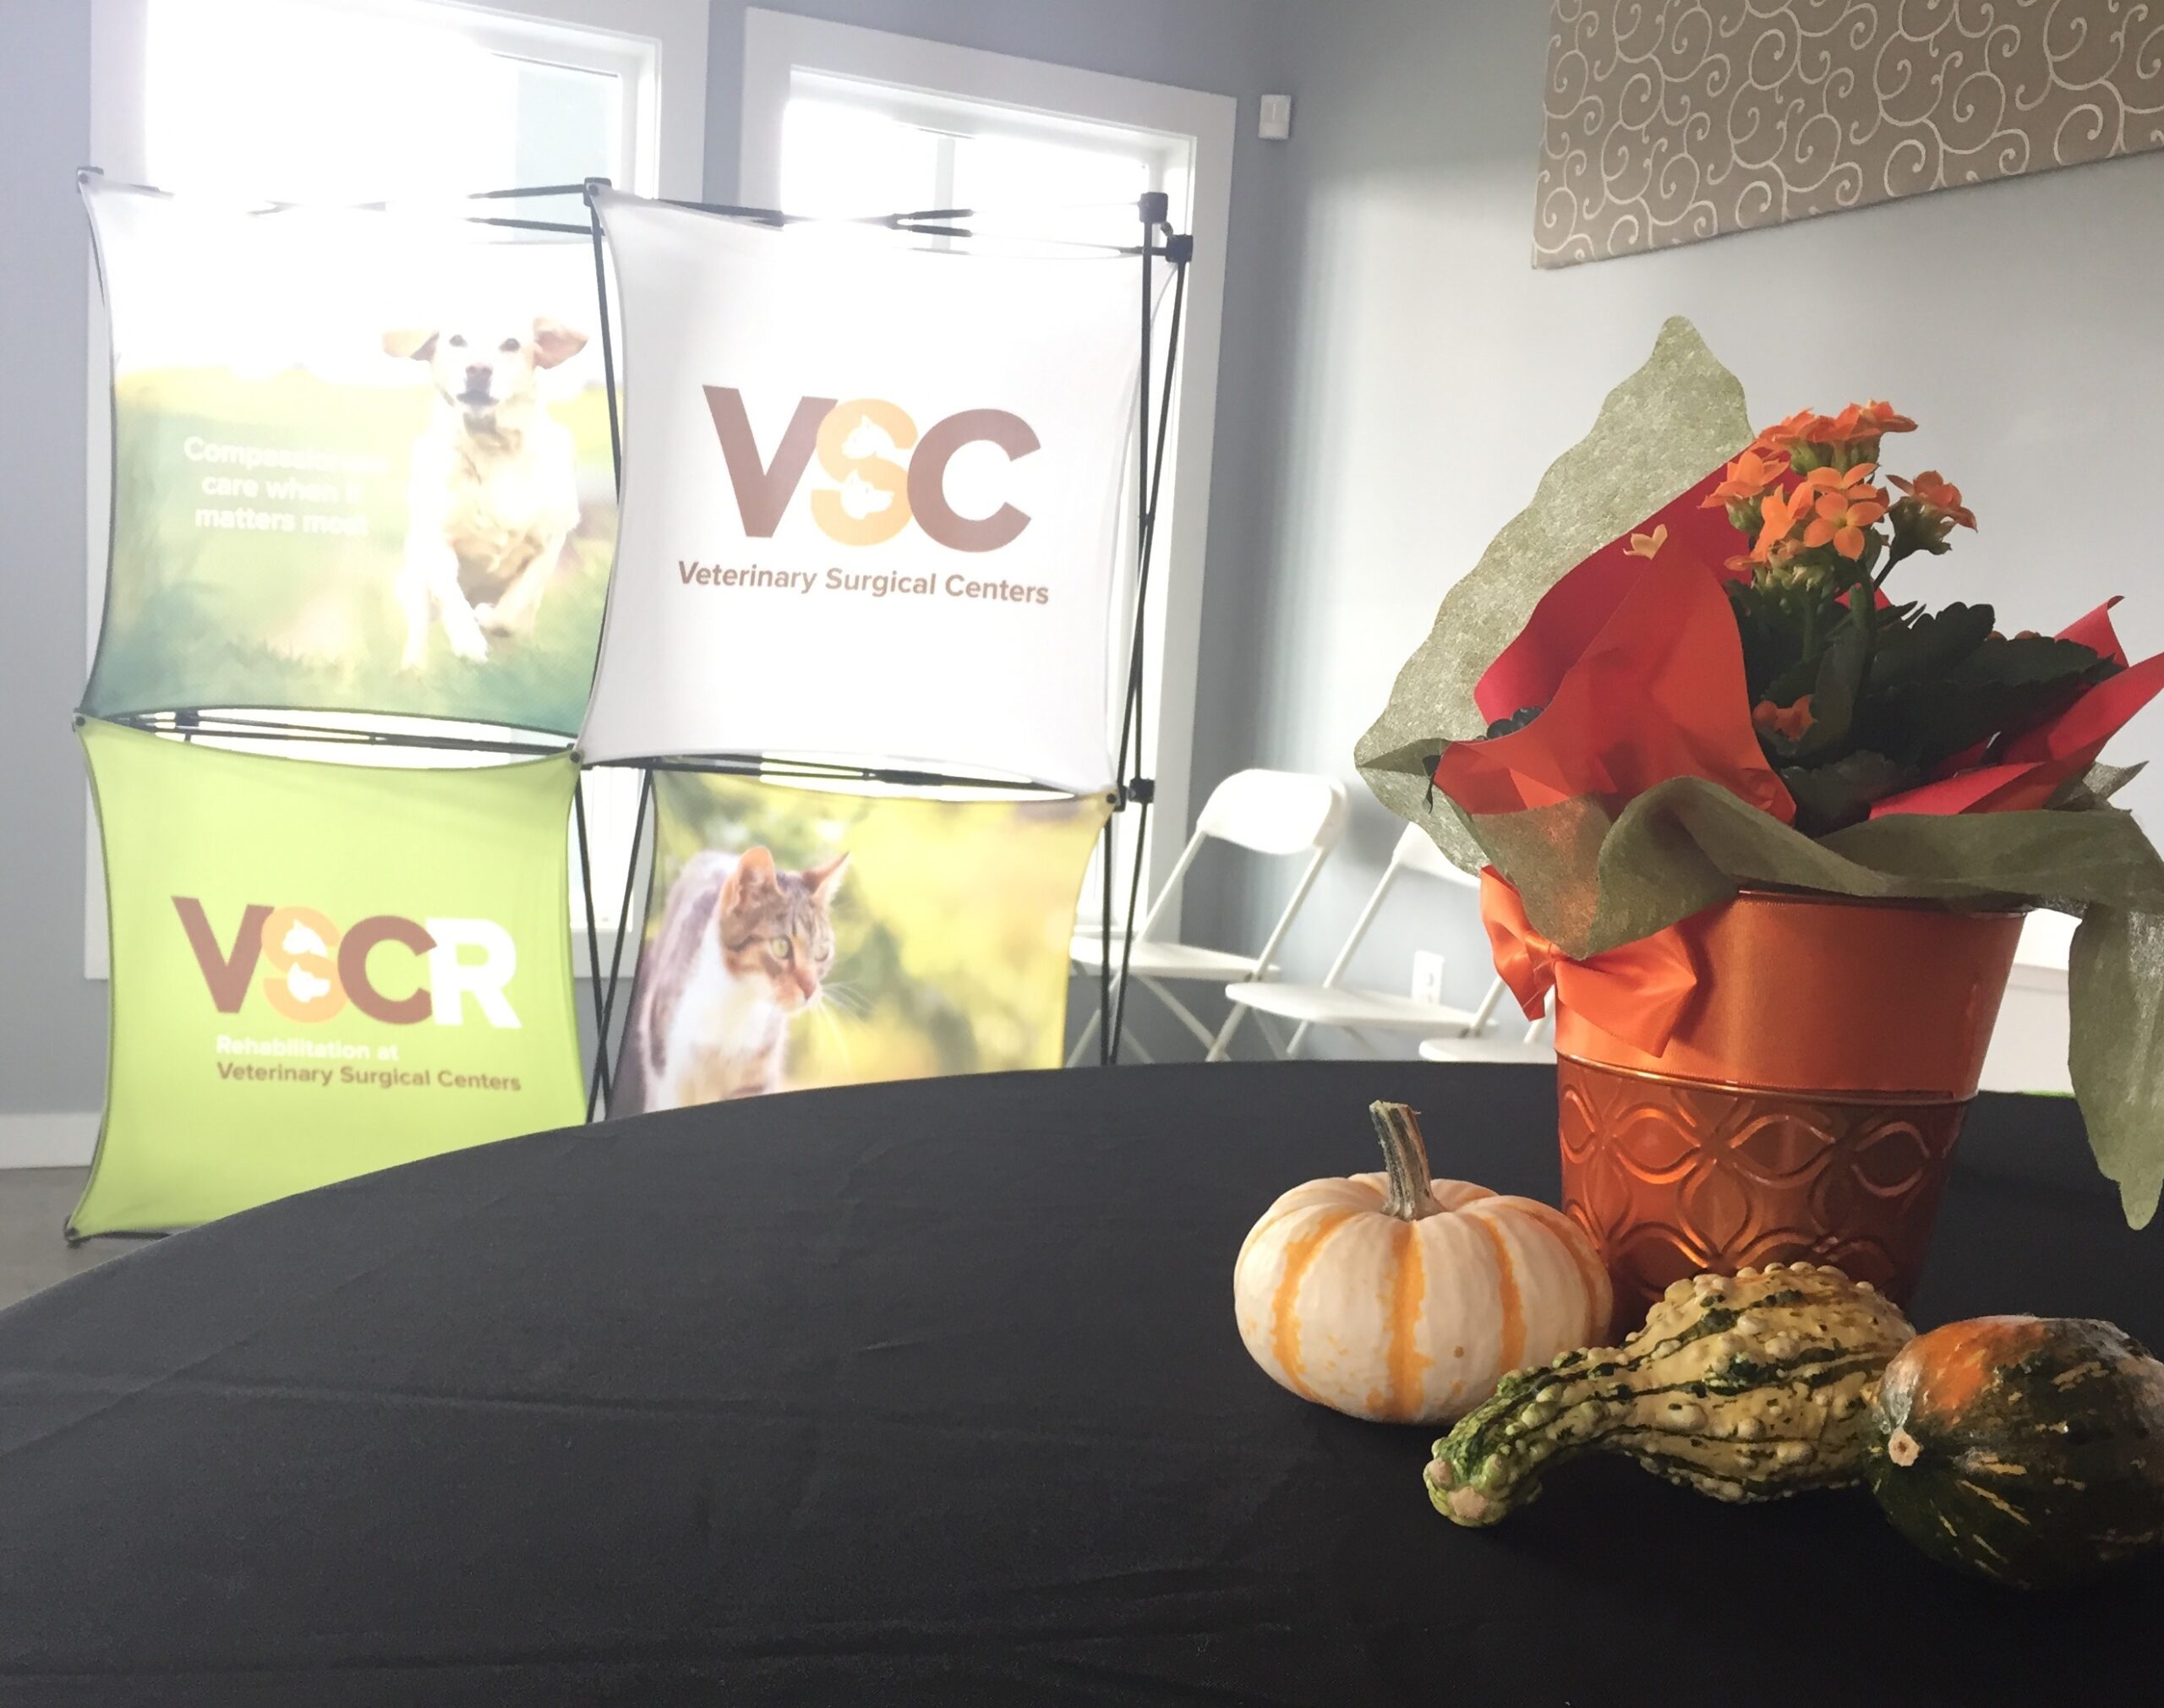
x=1673 y=1178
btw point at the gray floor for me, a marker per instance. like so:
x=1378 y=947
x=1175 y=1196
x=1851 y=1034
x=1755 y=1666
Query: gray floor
x=34 y=1253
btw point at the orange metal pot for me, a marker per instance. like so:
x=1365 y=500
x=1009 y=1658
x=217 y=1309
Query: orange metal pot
x=1807 y=1104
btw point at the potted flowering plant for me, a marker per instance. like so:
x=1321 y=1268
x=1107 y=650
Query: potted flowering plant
x=1763 y=826
x=1864 y=705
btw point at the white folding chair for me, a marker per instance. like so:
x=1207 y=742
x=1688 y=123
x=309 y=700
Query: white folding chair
x=1267 y=812
x=1537 y=1045
x=1363 y=1012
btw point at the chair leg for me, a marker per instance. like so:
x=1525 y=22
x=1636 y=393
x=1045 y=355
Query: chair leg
x=1180 y=1011
x=1082 y=1044
x=1224 y=1038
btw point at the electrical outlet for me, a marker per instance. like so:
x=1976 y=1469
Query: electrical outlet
x=1427 y=976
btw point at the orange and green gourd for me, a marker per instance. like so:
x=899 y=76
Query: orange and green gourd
x=2026 y=1450
x=1743 y=1388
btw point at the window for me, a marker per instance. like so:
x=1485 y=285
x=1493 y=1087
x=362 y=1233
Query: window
x=850 y=147
x=345 y=100
x=842 y=121
x=474 y=109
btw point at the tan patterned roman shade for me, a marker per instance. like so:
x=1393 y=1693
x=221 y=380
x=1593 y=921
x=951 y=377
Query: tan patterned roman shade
x=1672 y=120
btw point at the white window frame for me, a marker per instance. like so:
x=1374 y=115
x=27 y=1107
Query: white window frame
x=778 y=45
x=664 y=42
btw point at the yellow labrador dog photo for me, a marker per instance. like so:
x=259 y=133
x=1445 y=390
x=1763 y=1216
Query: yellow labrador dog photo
x=493 y=493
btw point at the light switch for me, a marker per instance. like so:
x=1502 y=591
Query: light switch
x=1277 y=123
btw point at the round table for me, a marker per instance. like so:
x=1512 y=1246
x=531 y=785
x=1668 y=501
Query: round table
x=928 y=1394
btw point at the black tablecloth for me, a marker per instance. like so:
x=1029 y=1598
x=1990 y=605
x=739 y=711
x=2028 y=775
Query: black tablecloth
x=928 y=1394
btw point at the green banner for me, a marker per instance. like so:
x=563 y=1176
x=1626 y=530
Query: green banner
x=318 y=971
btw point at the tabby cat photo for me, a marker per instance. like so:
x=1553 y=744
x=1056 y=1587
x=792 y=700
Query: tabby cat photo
x=744 y=948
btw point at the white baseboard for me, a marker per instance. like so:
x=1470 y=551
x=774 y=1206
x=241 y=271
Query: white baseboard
x=48 y=1140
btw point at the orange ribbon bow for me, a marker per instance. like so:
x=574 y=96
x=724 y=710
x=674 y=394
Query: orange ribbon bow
x=1636 y=992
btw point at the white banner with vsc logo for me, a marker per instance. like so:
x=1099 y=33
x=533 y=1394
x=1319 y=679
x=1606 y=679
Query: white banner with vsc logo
x=872 y=494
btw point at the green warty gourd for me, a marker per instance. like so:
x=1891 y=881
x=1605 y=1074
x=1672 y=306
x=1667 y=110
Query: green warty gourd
x=1743 y=1388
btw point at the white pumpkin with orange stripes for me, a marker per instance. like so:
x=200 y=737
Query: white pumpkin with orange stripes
x=1404 y=1300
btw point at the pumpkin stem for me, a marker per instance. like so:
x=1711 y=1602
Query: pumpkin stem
x=1406 y=1159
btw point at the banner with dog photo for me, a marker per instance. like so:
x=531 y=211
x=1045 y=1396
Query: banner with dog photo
x=872 y=499
x=798 y=937
x=319 y=969
x=360 y=463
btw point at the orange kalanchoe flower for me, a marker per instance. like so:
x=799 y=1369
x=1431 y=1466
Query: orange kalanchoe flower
x=1784 y=436
x=1934 y=492
x=1846 y=481
x=1648 y=545
x=1878 y=416
x=1777 y=519
x=1751 y=476
x=1863 y=421
x=1787 y=720
x=1844 y=429
x=1859 y=424
x=1841 y=517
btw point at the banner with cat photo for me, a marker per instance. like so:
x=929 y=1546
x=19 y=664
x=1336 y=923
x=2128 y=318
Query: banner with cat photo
x=798 y=937
x=360 y=463
x=320 y=969
x=872 y=500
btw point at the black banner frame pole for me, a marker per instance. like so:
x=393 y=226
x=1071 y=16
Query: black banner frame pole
x=1180 y=250
x=213 y=724
x=1158 y=238
x=602 y=1079
x=1152 y=203
x=593 y=932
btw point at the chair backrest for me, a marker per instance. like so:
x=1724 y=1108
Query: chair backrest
x=1416 y=851
x=1274 y=812
x=1271 y=812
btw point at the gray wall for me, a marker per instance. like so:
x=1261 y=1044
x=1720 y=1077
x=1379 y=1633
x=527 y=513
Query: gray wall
x=51 y=1019
x=1432 y=374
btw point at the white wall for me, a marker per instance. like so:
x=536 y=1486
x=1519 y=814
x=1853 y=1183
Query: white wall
x=1432 y=373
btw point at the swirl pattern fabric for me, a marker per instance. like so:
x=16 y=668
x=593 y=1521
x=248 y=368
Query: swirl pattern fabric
x=1668 y=121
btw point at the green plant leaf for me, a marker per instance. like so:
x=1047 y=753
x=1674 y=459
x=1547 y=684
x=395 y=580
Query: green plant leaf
x=1931 y=644
x=1831 y=797
x=1773 y=639
x=2030 y=660
x=1837 y=686
x=1801 y=678
x=2001 y=686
